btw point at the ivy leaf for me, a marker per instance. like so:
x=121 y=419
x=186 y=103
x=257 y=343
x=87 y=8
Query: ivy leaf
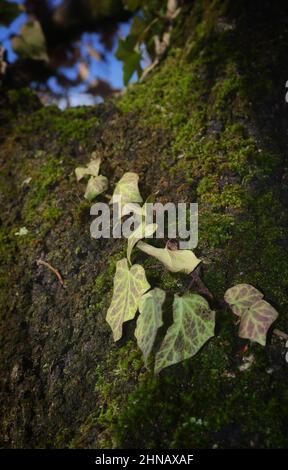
x=31 y=43
x=128 y=52
x=127 y=189
x=175 y=261
x=149 y=320
x=256 y=314
x=132 y=207
x=143 y=231
x=241 y=297
x=96 y=185
x=193 y=325
x=256 y=321
x=91 y=169
x=129 y=286
x=132 y=64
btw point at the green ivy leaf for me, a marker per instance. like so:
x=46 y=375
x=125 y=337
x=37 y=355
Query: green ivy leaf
x=241 y=297
x=256 y=321
x=193 y=325
x=149 y=320
x=128 y=52
x=92 y=169
x=31 y=43
x=96 y=185
x=175 y=261
x=132 y=64
x=129 y=286
x=127 y=189
x=143 y=231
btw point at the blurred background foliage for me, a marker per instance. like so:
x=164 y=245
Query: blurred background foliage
x=76 y=52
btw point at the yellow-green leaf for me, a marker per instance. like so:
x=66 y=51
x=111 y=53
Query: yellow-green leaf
x=96 y=185
x=127 y=190
x=92 y=169
x=149 y=320
x=143 y=231
x=31 y=43
x=193 y=325
x=175 y=261
x=256 y=321
x=256 y=315
x=129 y=286
x=241 y=297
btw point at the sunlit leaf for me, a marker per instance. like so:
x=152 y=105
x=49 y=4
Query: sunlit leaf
x=96 y=185
x=256 y=321
x=129 y=286
x=143 y=231
x=149 y=320
x=132 y=207
x=31 y=43
x=136 y=209
x=193 y=325
x=175 y=261
x=92 y=169
x=241 y=297
x=127 y=189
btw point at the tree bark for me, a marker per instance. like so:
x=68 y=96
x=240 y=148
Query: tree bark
x=209 y=124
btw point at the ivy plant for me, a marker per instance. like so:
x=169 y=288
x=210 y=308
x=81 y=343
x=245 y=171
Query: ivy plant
x=193 y=319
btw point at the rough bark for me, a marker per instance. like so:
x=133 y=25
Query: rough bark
x=209 y=124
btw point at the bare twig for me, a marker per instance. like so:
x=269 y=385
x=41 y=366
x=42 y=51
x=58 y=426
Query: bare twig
x=55 y=271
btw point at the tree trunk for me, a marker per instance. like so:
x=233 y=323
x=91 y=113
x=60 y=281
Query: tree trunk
x=209 y=124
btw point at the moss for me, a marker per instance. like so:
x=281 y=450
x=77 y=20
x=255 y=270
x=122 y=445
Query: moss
x=52 y=213
x=182 y=411
x=120 y=370
x=23 y=100
x=72 y=125
x=104 y=281
x=40 y=200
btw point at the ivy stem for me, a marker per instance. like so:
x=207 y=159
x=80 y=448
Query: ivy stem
x=203 y=289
